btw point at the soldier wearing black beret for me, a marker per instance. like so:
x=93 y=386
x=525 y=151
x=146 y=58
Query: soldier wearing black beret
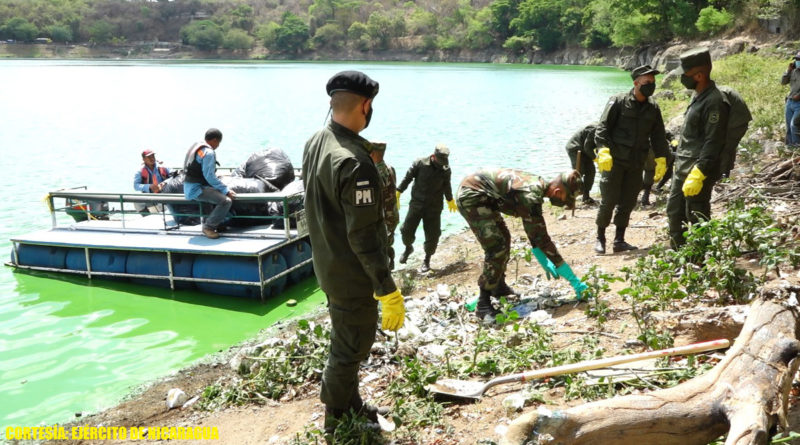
x=344 y=212
x=702 y=139
x=630 y=126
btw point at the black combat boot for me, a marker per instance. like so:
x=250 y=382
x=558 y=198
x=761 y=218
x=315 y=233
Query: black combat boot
x=646 y=196
x=619 y=241
x=503 y=289
x=588 y=200
x=600 y=244
x=426 y=264
x=406 y=254
x=485 y=307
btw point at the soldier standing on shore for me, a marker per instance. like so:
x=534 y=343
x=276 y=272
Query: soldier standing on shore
x=485 y=195
x=348 y=239
x=431 y=176
x=703 y=137
x=630 y=125
x=391 y=214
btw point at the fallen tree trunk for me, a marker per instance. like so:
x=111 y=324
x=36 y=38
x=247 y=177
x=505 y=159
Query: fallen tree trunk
x=745 y=396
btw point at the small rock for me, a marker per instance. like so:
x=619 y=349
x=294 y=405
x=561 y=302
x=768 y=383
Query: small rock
x=513 y=403
x=443 y=291
x=78 y=414
x=176 y=397
x=633 y=343
x=291 y=302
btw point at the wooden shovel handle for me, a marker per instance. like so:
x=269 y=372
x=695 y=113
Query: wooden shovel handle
x=611 y=361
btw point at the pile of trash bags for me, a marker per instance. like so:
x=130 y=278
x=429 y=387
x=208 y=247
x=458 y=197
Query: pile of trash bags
x=266 y=171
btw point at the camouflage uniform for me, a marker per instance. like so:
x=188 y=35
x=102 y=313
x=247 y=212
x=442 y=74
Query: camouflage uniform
x=431 y=182
x=483 y=196
x=702 y=140
x=391 y=215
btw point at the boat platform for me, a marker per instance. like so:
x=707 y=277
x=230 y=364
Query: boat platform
x=118 y=242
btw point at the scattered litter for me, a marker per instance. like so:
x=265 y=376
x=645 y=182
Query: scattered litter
x=176 y=397
x=513 y=403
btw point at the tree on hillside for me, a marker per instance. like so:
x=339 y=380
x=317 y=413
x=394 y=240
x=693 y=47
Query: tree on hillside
x=20 y=29
x=503 y=11
x=292 y=36
x=539 y=19
x=60 y=33
x=328 y=36
x=237 y=39
x=204 y=34
x=101 y=32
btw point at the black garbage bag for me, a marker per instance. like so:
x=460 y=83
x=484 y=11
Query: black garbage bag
x=272 y=165
x=295 y=204
x=245 y=210
x=183 y=213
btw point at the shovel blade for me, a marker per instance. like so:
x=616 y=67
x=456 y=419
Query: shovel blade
x=457 y=388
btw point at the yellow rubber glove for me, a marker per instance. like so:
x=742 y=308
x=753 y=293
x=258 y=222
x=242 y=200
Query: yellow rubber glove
x=674 y=143
x=452 y=206
x=661 y=168
x=393 y=312
x=397 y=195
x=604 y=160
x=694 y=182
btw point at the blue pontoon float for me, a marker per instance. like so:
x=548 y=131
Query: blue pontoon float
x=115 y=241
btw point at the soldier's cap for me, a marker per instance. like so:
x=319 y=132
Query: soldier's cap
x=147 y=153
x=643 y=70
x=354 y=82
x=442 y=153
x=693 y=58
x=573 y=181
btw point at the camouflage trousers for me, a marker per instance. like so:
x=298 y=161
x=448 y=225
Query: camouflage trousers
x=485 y=220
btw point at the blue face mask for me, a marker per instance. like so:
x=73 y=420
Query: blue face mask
x=797 y=63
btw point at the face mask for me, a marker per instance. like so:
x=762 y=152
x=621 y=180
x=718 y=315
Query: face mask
x=368 y=117
x=688 y=82
x=797 y=63
x=647 y=90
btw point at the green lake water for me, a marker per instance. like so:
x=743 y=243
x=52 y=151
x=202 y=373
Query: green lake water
x=67 y=345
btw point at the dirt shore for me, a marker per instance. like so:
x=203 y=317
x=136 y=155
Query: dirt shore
x=457 y=264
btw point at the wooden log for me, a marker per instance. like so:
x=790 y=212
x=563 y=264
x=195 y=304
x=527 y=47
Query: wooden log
x=745 y=395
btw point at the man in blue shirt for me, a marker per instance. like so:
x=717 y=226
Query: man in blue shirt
x=202 y=184
x=149 y=178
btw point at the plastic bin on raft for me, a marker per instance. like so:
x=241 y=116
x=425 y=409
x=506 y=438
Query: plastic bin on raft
x=41 y=256
x=102 y=260
x=295 y=254
x=236 y=268
x=155 y=263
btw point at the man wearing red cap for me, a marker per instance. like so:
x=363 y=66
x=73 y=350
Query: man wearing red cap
x=149 y=178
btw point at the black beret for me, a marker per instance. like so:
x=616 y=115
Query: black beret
x=354 y=82
x=642 y=70
x=694 y=58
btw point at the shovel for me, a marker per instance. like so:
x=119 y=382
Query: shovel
x=474 y=390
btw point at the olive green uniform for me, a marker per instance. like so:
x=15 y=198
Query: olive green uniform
x=431 y=182
x=702 y=140
x=583 y=141
x=483 y=196
x=391 y=214
x=348 y=239
x=629 y=129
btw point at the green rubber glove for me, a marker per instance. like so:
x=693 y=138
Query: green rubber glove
x=547 y=265
x=393 y=312
x=580 y=287
x=397 y=196
x=471 y=305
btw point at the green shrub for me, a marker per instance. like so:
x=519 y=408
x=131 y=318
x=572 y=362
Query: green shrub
x=712 y=20
x=236 y=39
